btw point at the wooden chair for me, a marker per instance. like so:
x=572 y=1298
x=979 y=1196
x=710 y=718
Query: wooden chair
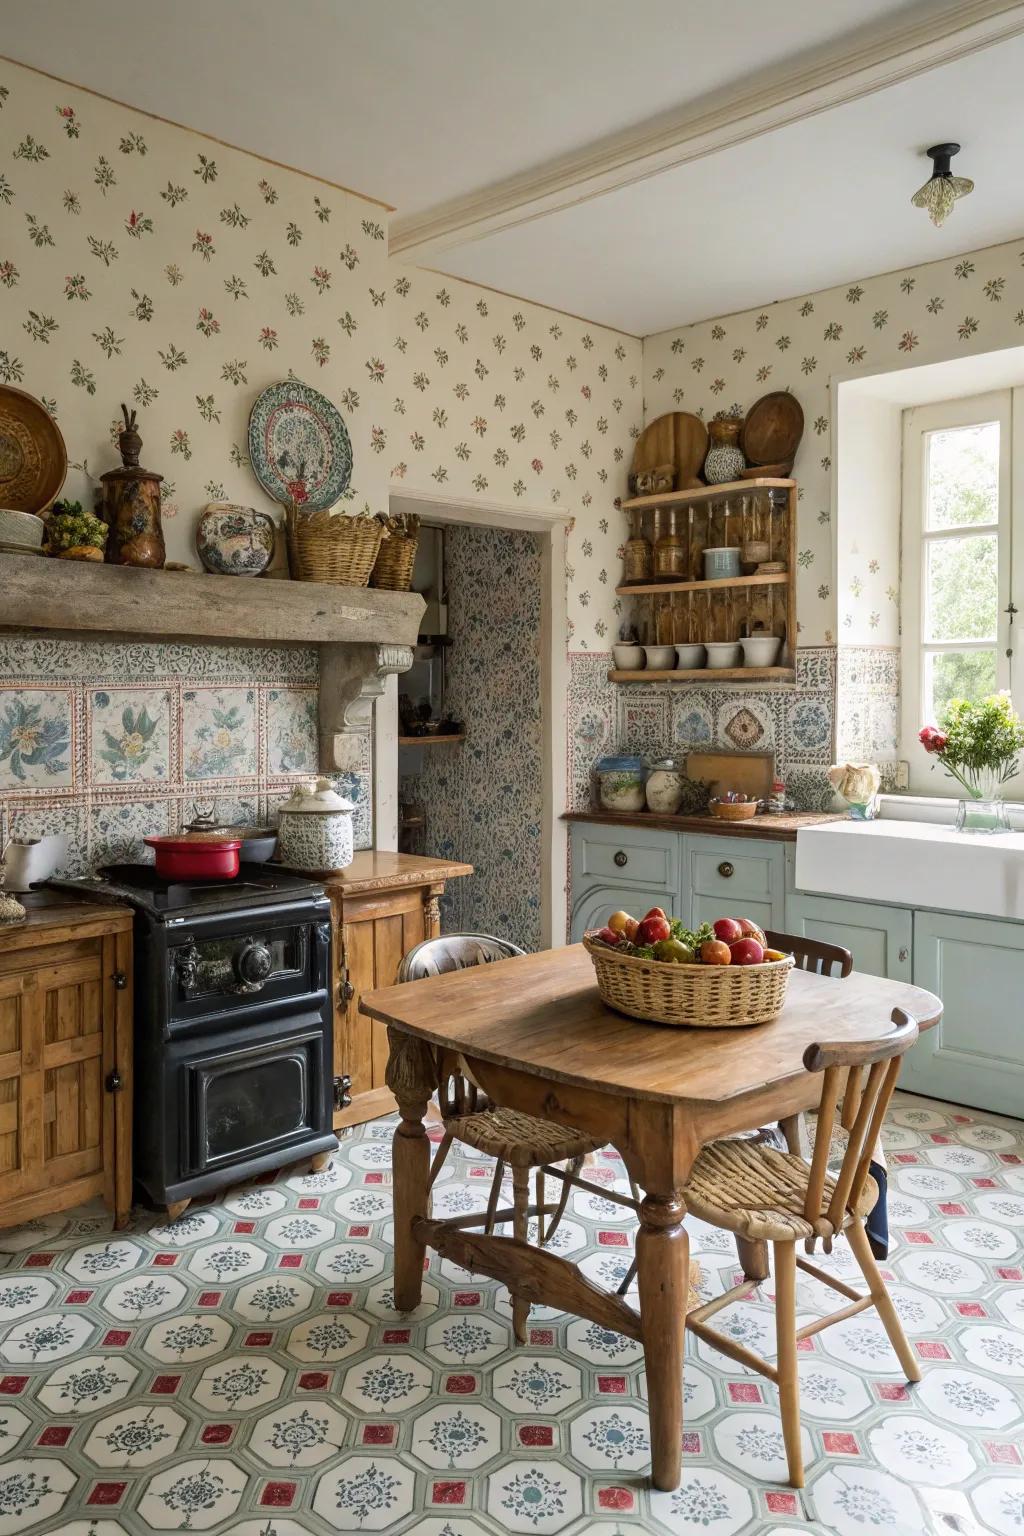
x=763 y=1194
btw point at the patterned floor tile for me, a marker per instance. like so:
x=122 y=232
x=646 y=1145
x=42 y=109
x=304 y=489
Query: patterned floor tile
x=243 y=1370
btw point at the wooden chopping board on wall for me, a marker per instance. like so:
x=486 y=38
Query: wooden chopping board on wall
x=750 y=773
x=677 y=438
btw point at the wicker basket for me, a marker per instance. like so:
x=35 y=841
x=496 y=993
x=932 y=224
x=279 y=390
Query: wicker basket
x=704 y=996
x=392 y=569
x=325 y=546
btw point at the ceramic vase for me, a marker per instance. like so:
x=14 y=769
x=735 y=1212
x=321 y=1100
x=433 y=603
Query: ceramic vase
x=235 y=541
x=725 y=456
x=131 y=505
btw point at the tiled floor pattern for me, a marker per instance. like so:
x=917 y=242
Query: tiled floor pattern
x=243 y=1371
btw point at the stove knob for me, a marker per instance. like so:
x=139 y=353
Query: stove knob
x=253 y=965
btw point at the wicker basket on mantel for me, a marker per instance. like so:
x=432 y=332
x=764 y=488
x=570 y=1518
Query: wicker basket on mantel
x=331 y=546
x=700 y=996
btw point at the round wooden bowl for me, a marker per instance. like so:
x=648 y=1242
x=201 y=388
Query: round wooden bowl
x=695 y=996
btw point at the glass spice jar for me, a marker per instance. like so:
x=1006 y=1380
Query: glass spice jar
x=670 y=551
x=636 y=554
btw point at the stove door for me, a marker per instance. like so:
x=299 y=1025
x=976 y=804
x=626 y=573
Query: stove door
x=214 y=974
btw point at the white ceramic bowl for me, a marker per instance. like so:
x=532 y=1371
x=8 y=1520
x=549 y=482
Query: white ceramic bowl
x=690 y=657
x=760 y=650
x=23 y=529
x=628 y=658
x=723 y=653
x=660 y=658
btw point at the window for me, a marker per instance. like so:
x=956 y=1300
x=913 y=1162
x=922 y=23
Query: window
x=957 y=560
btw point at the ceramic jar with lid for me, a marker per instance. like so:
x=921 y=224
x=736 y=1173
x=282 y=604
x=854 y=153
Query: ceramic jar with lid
x=315 y=832
x=620 y=783
x=665 y=786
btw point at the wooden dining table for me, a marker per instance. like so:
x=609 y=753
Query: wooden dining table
x=534 y=1035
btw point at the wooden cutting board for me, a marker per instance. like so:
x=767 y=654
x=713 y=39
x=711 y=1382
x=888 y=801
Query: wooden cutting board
x=678 y=438
x=751 y=773
x=772 y=429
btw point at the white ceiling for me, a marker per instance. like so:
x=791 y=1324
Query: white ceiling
x=420 y=104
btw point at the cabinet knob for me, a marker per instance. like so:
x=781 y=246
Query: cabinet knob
x=120 y=980
x=621 y=859
x=726 y=870
x=342 y=1094
x=347 y=991
x=904 y=954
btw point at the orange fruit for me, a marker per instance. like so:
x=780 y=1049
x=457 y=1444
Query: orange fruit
x=715 y=952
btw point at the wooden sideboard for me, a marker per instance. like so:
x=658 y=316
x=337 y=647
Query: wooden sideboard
x=381 y=906
x=65 y=1059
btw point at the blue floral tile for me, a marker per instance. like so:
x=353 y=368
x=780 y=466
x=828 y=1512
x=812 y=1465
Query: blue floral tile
x=130 y=735
x=37 y=738
x=809 y=728
x=218 y=733
x=292 y=744
x=116 y=830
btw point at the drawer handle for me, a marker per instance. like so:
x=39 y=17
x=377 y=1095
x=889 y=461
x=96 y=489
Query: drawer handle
x=120 y=980
x=726 y=870
x=621 y=859
x=904 y=954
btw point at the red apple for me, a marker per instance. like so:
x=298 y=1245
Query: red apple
x=715 y=952
x=751 y=930
x=609 y=936
x=728 y=930
x=654 y=912
x=747 y=952
x=652 y=929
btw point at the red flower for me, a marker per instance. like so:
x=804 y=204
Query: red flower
x=932 y=739
x=297 y=491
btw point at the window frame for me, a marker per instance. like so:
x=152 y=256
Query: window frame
x=1002 y=406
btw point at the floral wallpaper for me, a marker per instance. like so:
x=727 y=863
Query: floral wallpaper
x=109 y=742
x=483 y=798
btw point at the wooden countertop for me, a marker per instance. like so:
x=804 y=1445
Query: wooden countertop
x=374 y=870
x=776 y=829
x=52 y=911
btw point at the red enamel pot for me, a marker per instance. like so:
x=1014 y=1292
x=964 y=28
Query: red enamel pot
x=195 y=858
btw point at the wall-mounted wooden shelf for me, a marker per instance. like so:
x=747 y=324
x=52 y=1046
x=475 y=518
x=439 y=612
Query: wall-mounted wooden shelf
x=708 y=675
x=430 y=741
x=719 y=584
x=701 y=493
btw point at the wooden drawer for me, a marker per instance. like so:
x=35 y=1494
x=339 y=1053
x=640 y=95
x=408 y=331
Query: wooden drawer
x=625 y=856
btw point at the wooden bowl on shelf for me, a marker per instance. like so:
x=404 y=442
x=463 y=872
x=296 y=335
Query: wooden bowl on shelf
x=767 y=471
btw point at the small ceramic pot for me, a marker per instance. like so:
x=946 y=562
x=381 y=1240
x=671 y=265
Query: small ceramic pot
x=315 y=833
x=628 y=658
x=689 y=658
x=660 y=658
x=721 y=562
x=760 y=650
x=235 y=541
x=723 y=653
x=725 y=456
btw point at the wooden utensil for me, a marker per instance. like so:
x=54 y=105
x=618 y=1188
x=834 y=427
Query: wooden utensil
x=750 y=773
x=33 y=458
x=772 y=429
x=678 y=438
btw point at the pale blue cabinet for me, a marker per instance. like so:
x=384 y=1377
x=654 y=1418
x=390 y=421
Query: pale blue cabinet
x=729 y=878
x=975 y=1055
x=879 y=938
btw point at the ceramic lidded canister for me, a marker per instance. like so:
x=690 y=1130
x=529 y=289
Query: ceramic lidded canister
x=315 y=831
x=131 y=505
x=235 y=541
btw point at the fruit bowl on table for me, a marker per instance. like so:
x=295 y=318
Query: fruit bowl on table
x=698 y=995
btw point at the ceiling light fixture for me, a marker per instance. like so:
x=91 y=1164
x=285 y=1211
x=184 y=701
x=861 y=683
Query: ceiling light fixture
x=942 y=189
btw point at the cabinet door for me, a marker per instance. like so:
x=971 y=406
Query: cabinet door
x=730 y=878
x=595 y=906
x=879 y=938
x=975 y=1054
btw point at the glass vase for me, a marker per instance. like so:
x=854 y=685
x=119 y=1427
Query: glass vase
x=985 y=811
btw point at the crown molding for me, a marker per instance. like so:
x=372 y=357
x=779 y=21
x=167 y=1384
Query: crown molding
x=889 y=55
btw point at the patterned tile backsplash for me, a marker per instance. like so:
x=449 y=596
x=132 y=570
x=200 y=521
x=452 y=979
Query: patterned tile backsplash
x=108 y=742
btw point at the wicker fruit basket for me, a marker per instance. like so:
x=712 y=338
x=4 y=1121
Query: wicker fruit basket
x=328 y=546
x=392 y=570
x=701 y=996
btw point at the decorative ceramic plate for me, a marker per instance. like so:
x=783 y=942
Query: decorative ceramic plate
x=33 y=459
x=299 y=446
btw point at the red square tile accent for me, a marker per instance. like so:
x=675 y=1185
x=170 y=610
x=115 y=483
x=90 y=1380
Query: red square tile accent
x=1013 y=1273
x=921 y=1239
x=542 y=1338
x=621 y=1500
x=613 y=1239
x=806 y=1346
x=10 y=1386
x=615 y=1384
x=838 y=1443
x=78 y=1298
x=258 y=1340
x=541 y=1436
x=374 y=1178
x=117 y=1338
x=309 y=1203
x=339 y=1298
x=450 y=1491
x=480 y=1173
x=466 y=1299
x=245 y=1226
x=290 y=1261
x=691 y=1443
x=165 y=1386
x=106 y=1493
x=379 y=1434
x=745 y=1392
x=971 y=1309
x=360 y=1231
x=210 y=1298
x=39 y=1260
x=56 y=1434
x=396 y=1335
x=278 y=1495
x=905 y=1157
x=460 y=1384
x=778 y=1503
x=217 y=1434
x=164 y=1260
x=985 y=1183
x=939 y=1137
x=1002 y=1454
x=1012 y=1158
x=892 y=1392
x=314 y=1381
x=952 y=1208
x=931 y=1349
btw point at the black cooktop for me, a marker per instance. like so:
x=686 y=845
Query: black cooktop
x=255 y=885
